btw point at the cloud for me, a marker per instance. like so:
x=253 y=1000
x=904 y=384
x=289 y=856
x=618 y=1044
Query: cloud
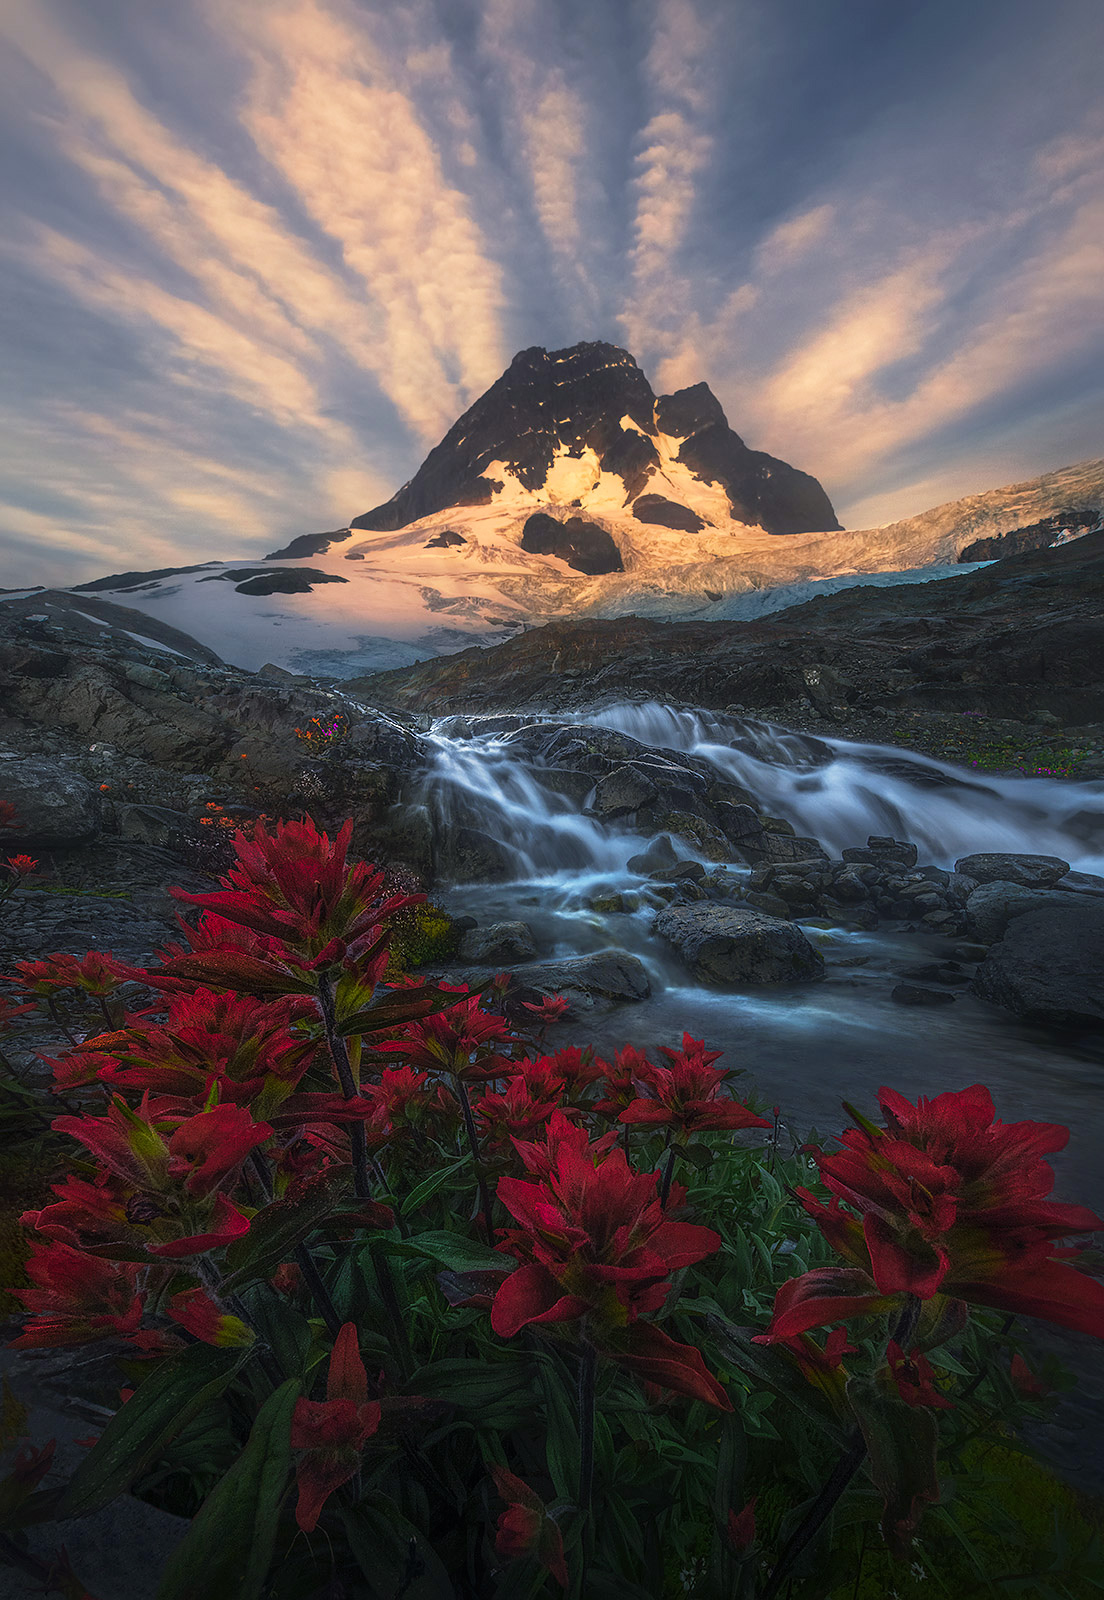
x=792 y=240
x=322 y=109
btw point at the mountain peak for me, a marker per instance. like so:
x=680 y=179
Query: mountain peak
x=591 y=402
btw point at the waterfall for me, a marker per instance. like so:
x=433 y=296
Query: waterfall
x=829 y=789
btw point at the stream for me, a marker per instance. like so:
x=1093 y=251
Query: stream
x=806 y=1046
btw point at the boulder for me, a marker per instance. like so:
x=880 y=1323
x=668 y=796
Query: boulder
x=621 y=791
x=727 y=946
x=498 y=945
x=1031 y=872
x=1049 y=967
x=55 y=807
x=592 y=983
x=156 y=825
x=658 y=855
x=992 y=906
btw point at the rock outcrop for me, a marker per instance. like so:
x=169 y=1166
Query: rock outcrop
x=728 y=946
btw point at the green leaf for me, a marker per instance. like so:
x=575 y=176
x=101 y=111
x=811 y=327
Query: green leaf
x=698 y=1155
x=561 y=1441
x=281 y=1325
x=774 y=1371
x=901 y=1441
x=393 y=1556
x=472 y=1384
x=228 y=1548
x=276 y=1230
x=421 y=1192
x=140 y=1431
x=402 y=1006
x=453 y=1250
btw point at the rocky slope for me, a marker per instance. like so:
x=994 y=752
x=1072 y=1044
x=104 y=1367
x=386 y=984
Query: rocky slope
x=1018 y=638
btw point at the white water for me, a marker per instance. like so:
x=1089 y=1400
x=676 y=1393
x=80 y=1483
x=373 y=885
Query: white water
x=829 y=789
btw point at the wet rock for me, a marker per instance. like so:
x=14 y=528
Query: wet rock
x=595 y=982
x=725 y=946
x=782 y=847
x=697 y=831
x=880 y=851
x=156 y=825
x=970 y=952
x=1049 y=967
x=499 y=944
x=911 y=994
x=624 y=790
x=54 y=806
x=468 y=855
x=1081 y=882
x=992 y=906
x=772 y=904
x=659 y=854
x=936 y=972
x=1031 y=872
x=681 y=871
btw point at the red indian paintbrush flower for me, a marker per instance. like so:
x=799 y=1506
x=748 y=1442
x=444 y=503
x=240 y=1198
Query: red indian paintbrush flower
x=332 y=1432
x=597 y=1247
x=631 y=1071
x=520 y=1113
x=553 y=1008
x=687 y=1096
x=525 y=1528
x=950 y=1203
x=199 y=1153
x=914 y=1378
x=461 y=1041
x=198 y=1313
x=77 y=1298
x=22 y=866
x=243 y=1044
x=296 y=885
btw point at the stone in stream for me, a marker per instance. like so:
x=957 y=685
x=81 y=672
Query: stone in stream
x=726 y=946
x=1031 y=872
x=992 y=906
x=1049 y=967
x=659 y=854
x=593 y=982
x=624 y=790
x=498 y=944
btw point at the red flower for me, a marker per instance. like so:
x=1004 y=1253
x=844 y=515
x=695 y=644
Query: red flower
x=550 y=1009
x=203 y=1149
x=77 y=1298
x=519 y=1113
x=244 y=1044
x=525 y=1528
x=951 y=1204
x=406 y=1102
x=597 y=1247
x=576 y=1069
x=630 y=1072
x=741 y=1529
x=1027 y=1382
x=460 y=1041
x=197 y=1312
x=686 y=1096
x=22 y=866
x=46 y=977
x=8 y=1010
x=914 y=1378
x=332 y=1432
x=295 y=885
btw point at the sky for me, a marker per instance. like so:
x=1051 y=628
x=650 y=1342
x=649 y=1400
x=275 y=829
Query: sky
x=256 y=256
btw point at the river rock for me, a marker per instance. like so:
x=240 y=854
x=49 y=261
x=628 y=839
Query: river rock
x=1031 y=872
x=992 y=906
x=500 y=944
x=726 y=946
x=621 y=791
x=658 y=855
x=1049 y=967
x=911 y=994
x=593 y=982
x=55 y=807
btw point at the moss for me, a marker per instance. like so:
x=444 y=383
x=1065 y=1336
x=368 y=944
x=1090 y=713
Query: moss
x=421 y=935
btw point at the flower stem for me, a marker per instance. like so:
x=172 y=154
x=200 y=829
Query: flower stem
x=668 y=1174
x=339 y=1055
x=473 y=1140
x=850 y=1461
x=588 y=1366
x=318 y=1291
x=399 y=1341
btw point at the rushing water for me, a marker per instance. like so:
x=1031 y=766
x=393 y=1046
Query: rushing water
x=804 y=1046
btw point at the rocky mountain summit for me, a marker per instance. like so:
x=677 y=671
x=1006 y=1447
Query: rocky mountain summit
x=593 y=402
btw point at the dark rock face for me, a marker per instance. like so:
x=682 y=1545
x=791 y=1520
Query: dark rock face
x=664 y=513
x=725 y=946
x=280 y=580
x=445 y=540
x=1031 y=872
x=576 y=398
x=592 y=983
x=499 y=944
x=54 y=806
x=137 y=580
x=1036 y=536
x=1049 y=967
x=309 y=544
x=582 y=544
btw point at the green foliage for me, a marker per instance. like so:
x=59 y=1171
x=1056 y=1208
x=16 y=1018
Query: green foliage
x=421 y=935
